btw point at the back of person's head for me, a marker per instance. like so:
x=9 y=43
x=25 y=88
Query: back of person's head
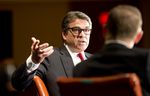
x=124 y=21
x=72 y=15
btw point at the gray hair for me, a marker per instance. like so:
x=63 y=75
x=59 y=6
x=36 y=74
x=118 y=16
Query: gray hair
x=74 y=15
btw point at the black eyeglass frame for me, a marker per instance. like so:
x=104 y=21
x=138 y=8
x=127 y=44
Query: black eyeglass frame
x=77 y=30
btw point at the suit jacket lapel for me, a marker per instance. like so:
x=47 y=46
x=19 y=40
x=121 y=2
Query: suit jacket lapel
x=67 y=62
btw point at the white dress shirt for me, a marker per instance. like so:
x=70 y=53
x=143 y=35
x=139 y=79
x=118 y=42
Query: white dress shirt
x=75 y=56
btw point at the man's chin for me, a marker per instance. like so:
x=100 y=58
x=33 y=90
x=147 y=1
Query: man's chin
x=82 y=48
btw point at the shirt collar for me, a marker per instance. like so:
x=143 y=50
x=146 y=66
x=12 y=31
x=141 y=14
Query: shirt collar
x=73 y=55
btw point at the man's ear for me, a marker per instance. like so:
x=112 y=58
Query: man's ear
x=138 y=37
x=63 y=35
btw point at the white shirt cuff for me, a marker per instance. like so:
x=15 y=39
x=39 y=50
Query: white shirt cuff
x=30 y=65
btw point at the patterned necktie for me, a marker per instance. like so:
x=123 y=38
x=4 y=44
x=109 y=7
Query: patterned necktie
x=80 y=56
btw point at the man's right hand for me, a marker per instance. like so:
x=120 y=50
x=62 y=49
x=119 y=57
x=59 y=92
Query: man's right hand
x=40 y=51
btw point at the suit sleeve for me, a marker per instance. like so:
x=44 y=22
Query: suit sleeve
x=21 y=78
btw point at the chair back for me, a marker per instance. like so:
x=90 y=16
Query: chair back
x=126 y=84
x=40 y=86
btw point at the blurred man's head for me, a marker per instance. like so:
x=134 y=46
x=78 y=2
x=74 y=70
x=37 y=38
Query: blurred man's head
x=124 y=23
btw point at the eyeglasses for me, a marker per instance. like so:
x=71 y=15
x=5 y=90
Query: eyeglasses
x=77 y=30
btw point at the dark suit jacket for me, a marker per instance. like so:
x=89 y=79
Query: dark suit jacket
x=114 y=59
x=57 y=64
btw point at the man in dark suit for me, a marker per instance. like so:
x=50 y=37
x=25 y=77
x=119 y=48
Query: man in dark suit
x=124 y=29
x=50 y=63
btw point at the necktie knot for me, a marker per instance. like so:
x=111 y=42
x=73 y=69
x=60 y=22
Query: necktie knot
x=80 y=56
